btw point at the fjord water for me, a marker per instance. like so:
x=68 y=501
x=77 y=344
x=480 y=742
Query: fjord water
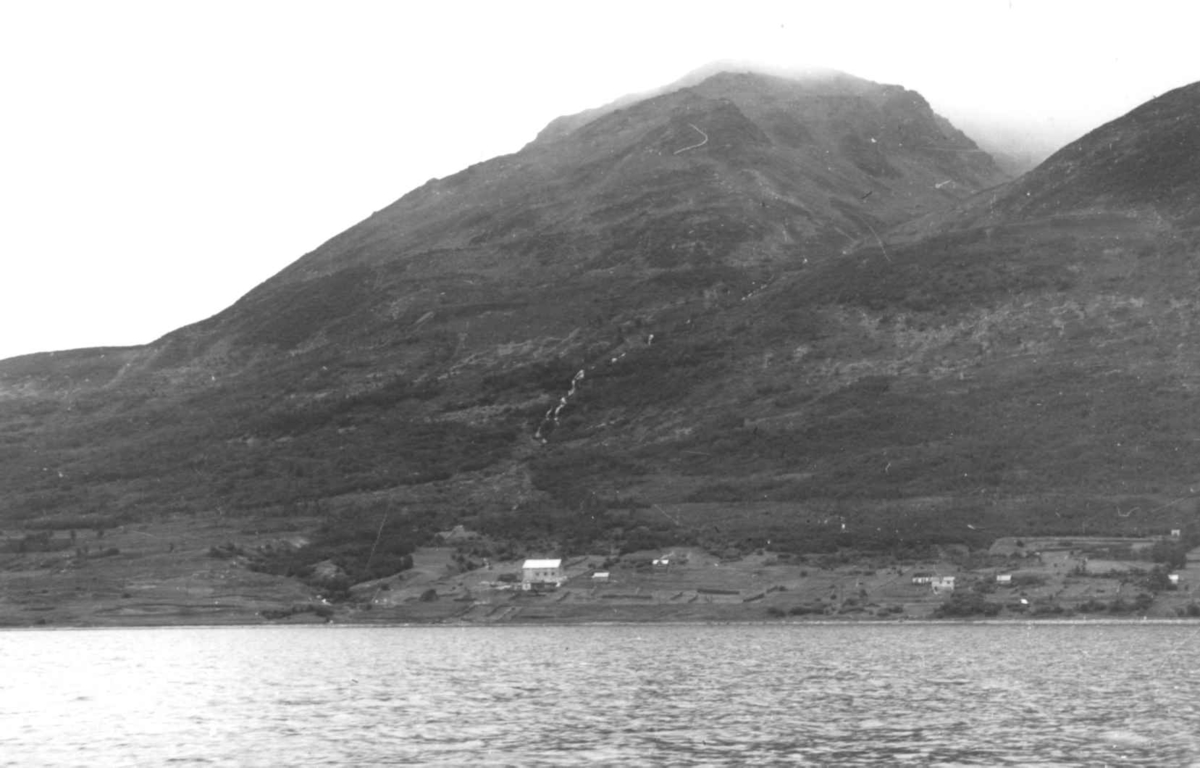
x=918 y=694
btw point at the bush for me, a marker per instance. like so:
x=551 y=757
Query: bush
x=356 y=544
x=225 y=551
x=1047 y=609
x=1158 y=580
x=319 y=609
x=802 y=610
x=963 y=604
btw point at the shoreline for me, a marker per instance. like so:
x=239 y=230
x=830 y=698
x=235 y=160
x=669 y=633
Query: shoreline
x=194 y=588
x=991 y=621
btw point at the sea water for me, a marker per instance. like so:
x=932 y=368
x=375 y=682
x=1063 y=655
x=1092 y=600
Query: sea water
x=794 y=694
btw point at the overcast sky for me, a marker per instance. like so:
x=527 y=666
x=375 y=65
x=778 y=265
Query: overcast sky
x=160 y=159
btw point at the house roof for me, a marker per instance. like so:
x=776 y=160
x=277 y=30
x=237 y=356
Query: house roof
x=459 y=532
x=542 y=564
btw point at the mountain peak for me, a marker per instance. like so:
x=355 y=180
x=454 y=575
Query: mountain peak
x=722 y=77
x=734 y=163
x=734 y=69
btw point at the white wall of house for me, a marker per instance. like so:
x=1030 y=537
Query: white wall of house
x=541 y=572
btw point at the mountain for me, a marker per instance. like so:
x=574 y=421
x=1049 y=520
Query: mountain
x=738 y=177
x=1044 y=327
x=468 y=305
x=747 y=311
x=1146 y=160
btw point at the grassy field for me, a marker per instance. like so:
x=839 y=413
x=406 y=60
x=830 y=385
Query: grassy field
x=146 y=574
x=188 y=571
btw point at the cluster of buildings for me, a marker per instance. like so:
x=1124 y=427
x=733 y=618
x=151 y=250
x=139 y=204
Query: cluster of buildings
x=548 y=574
x=940 y=584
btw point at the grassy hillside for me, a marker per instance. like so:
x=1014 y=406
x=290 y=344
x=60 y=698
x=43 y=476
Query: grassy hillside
x=628 y=337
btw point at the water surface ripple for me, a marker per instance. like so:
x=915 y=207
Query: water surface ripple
x=844 y=695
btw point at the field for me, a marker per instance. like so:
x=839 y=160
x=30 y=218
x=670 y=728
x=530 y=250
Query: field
x=158 y=573
x=196 y=571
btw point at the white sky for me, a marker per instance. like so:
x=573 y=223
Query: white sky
x=159 y=159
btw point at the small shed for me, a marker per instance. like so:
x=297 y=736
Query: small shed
x=599 y=576
x=1174 y=579
x=1176 y=533
x=541 y=574
x=1004 y=578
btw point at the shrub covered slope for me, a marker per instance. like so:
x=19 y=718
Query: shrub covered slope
x=750 y=310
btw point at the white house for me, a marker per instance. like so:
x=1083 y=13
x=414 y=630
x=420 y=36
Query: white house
x=599 y=576
x=922 y=577
x=942 y=584
x=541 y=574
x=1004 y=578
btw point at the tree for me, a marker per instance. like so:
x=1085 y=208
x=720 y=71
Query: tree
x=1158 y=580
x=1172 y=554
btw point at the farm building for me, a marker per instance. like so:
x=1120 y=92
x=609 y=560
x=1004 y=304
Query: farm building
x=942 y=584
x=541 y=574
x=922 y=577
x=1004 y=578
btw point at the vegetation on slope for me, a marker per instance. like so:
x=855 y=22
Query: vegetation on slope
x=751 y=374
